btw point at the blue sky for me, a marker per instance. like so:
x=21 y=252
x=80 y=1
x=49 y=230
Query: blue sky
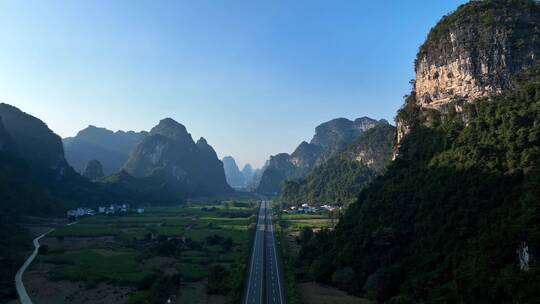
x=253 y=77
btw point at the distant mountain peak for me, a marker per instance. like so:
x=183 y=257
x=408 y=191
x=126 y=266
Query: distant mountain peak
x=330 y=138
x=171 y=129
x=232 y=173
x=204 y=146
x=202 y=141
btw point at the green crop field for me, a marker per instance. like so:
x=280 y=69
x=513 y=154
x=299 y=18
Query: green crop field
x=184 y=242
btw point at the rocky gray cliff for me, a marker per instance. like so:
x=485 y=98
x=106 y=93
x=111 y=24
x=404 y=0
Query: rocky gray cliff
x=93 y=170
x=110 y=148
x=169 y=153
x=330 y=138
x=471 y=53
x=474 y=51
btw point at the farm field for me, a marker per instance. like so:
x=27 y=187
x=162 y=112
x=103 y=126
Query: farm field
x=294 y=230
x=194 y=253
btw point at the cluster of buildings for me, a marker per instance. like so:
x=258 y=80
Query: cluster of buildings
x=307 y=208
x=110 y=210
x=80 y=212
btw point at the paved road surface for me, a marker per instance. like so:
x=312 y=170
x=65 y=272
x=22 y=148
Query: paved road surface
x=274 y=289
x=254 y=290
x=264 y=280
x=23 y=295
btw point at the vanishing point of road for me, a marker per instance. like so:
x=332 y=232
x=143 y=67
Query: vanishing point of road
x=264 y=282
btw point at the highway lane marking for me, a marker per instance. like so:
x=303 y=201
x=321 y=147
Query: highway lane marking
x=275 y=260
x=255 y=257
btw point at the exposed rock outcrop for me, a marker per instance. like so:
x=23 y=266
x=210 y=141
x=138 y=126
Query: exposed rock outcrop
x=473 y=52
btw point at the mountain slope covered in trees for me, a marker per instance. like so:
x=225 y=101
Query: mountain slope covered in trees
x=341 y=178
x=330 y=138
x=455 y=219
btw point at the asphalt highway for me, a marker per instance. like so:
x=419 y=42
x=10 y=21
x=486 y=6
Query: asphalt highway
x=264 y=284
x=274 y=290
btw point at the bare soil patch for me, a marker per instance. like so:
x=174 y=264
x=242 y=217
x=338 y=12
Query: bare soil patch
x=314 y=293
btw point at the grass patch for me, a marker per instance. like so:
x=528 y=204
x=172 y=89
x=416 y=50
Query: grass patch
x=88 y=265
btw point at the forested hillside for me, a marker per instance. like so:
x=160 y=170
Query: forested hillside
x=455 y=219
x=341 y=178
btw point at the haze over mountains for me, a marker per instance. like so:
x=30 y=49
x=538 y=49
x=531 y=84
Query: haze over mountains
x=245 y=178
x=442 y=208
x=110 y=148
x=163 y=165
x=330 y=138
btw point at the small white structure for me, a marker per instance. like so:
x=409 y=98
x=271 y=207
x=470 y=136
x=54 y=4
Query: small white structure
x=80 y=212
x=140 y=210
x=524 y=256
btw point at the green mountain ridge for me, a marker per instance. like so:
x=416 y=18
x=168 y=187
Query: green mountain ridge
x=455 y=218
x=341 y=178
x=330 y=138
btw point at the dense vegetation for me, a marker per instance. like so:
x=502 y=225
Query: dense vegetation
x=341 y=178
x=13 y=241
x=330 y=138
x=447 y=221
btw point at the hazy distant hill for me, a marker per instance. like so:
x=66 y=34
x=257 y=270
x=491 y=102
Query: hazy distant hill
x=330 y=138
x=170 y=153
x=110 y=148
x=235 y=178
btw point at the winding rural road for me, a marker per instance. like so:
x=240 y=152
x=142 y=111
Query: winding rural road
x=264 y=283
x=21 y=291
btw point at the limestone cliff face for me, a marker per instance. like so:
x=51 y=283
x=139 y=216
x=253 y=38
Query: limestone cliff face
x=473 y=52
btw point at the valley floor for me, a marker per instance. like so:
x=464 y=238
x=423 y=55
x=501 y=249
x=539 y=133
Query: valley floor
x=193 y=253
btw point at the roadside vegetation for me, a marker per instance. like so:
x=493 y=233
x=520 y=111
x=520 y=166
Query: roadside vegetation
x=294 y=231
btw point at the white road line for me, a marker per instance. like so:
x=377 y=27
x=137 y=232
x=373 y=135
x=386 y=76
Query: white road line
x=275 y=260
x=254 y=256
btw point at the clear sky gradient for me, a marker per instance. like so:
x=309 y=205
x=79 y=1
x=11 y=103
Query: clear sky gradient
x=253 y=77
